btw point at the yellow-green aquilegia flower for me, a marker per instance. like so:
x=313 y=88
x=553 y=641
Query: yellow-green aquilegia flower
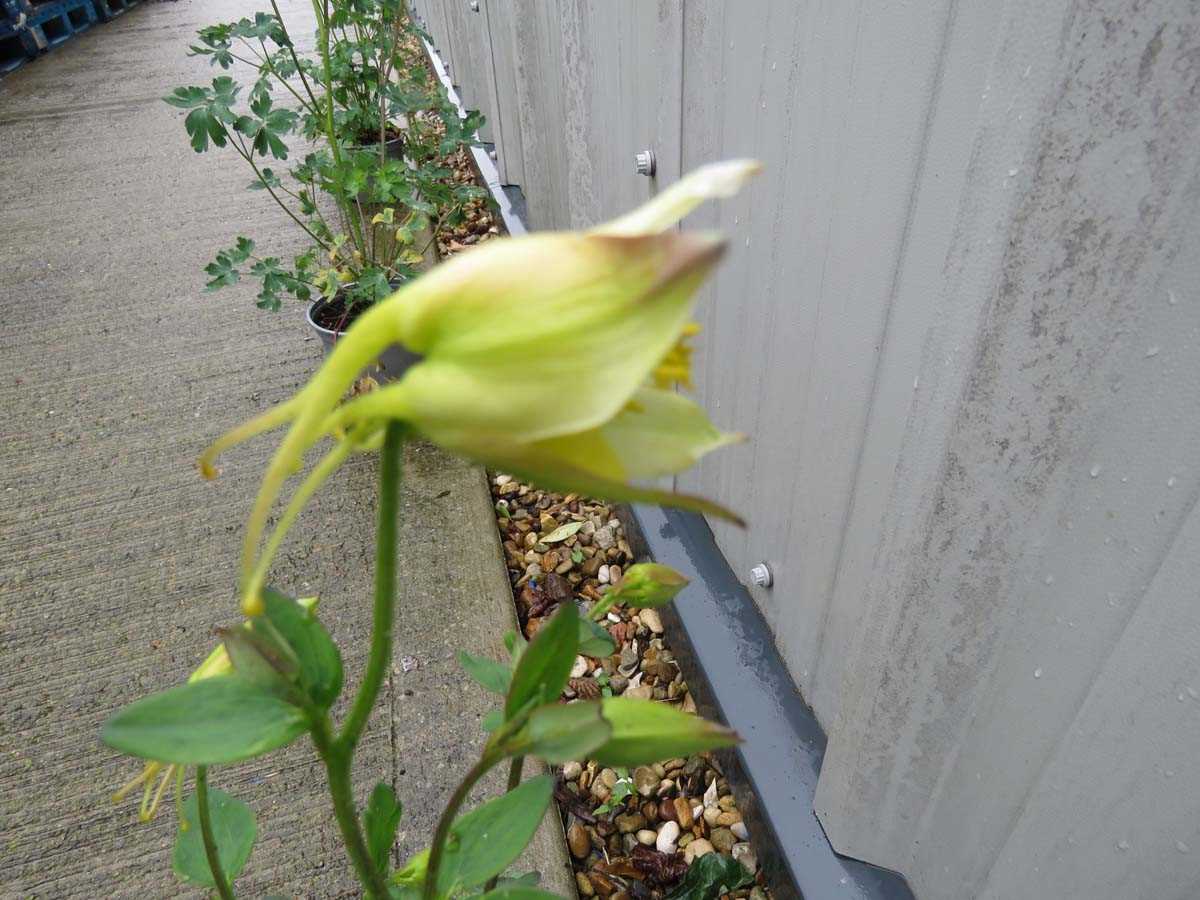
x=548 y=356
x=156 y=777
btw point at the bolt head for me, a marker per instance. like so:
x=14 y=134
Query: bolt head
x=474 y=4
x=761 y=575
x=644 y=163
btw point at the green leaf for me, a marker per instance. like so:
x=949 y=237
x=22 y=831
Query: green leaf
x=199 y=124
x=515 y=644
x=546 y=664
x=257 y=658
x=233 y=830
x=225 y=90
x=594 y=640
x=217 y=720
x=223 y=272
x=710 y=876
x=244 y=248
x=186 y=97
x=519 y=892
x=561 y=533
x=561 y=732
x=645 y=732
x=380 y=820
x=493 y=676
x=487 y=840
x=493 y=720
x=321 y=672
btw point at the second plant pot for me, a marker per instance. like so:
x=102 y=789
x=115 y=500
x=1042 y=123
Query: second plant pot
x=323 y=318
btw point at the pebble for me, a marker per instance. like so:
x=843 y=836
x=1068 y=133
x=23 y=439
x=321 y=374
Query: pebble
x=578 y=841
x=630 y=823
x=605 y=538
x=683 y=812
x=729 y=818
x=740 y=831
x=572 y=771
x=645 y=780
x=696 y=849
x=710 y=795
x=722 y=839
x=710 y=815
x=744 y=854
x=602 y=575
x=585 y=885
x=580 y=668
x=646 y=837
x=668 y=834
x=652 y=620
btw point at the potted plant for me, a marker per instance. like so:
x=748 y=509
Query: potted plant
x=369 y=209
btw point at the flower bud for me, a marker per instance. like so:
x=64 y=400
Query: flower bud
x=647 y=585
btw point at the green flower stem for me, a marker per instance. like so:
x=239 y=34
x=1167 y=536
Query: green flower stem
x=321 y=9
x=206 y=834
x=295 y=59
x=380 y=657
x=438 y=847
x=337 y=769
x=338 y=753
x=249 y=157
x=515 y=765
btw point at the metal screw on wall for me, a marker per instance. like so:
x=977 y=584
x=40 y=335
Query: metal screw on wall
x=761 y=575
x=644 y=163
x=474 y=4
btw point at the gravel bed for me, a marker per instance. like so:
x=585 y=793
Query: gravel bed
x=632 y=834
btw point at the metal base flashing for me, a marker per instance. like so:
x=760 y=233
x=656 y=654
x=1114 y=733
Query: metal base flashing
x=728 y=656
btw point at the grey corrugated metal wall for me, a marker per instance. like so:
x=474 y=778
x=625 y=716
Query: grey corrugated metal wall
x=961 y=321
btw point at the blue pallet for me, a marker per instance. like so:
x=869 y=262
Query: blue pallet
x=61 y=20
x=108 y=10
x=27 y=29
x=17 y=43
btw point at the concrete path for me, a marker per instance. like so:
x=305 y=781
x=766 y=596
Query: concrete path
x=116 y=560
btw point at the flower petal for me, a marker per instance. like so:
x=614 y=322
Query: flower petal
x=555 y=474
x=557 y=350
x=722 y=179
x=658 y=433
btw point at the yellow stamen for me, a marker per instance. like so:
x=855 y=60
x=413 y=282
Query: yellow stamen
x=146 y=813
x=148 y=772
x=252 y=604
x=676 y=366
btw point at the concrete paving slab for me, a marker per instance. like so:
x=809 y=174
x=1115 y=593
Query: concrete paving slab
x=116 y=560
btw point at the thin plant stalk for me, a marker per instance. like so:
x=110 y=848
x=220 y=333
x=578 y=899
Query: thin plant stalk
x=224 y=891
x=384 y=613
x=341 y=791
x=338 y=753
x=437 y=849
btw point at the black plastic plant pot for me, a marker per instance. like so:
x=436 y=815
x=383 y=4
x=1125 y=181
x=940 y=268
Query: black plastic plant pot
x=393 y=149
x=392 y=363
